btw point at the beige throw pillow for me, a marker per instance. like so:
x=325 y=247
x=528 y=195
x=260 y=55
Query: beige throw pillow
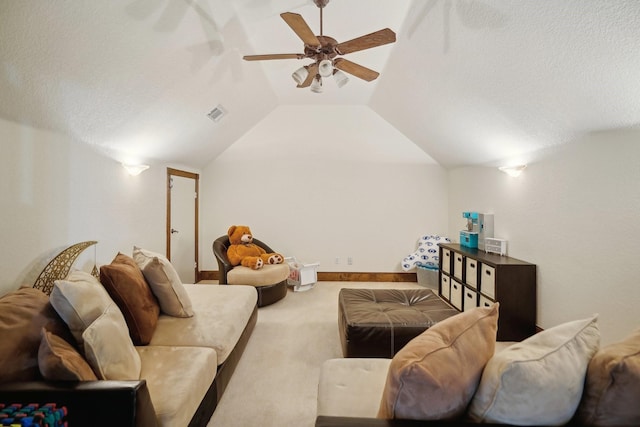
x=436 y=374
x=538 y=381
x=108 y=347
x=79 y=300
x=612 y=388
x=164 y=282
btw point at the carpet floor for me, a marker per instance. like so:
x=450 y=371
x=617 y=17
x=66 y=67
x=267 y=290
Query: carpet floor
x=275 y=382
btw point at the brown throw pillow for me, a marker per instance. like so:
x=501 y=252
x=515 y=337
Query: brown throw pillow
x=612 y=387
x=127 y=287
x=436 y=374
x=60 y=361
x=23 y=313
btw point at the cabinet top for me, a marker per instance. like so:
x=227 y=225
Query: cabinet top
x=482 y=256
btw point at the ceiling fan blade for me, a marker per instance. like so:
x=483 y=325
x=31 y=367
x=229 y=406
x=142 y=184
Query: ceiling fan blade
x=354 y=69
x=313 y=71
x=273 y=56
x=300 y=27
x=376 y=39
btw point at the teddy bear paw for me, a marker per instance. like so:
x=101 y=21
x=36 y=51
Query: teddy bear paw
x=275 y=259
x=259 y=264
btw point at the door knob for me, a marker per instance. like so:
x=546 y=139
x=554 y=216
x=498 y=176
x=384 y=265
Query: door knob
x=173 y=231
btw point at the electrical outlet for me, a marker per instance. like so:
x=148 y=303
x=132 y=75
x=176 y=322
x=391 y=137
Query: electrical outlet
x=350 y=261
x=337 y=260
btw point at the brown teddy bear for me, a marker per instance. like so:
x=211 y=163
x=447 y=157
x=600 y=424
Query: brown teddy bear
x=242 y=251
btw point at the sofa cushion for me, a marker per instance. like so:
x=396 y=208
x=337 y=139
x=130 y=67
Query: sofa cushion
x=178 y=379
x=221 y=313
x=164 y=282
x=126 y=285
x=436 y=374
x=270 y=274
x=79 y=300
x=109 y=349
x=23 y=314
x=60 y=361
x=351 y=387
x=613 y=385
x=538 y=381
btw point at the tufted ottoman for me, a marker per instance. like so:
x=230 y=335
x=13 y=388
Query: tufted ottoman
x=379 y=322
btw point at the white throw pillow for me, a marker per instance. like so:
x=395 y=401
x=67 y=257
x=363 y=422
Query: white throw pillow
x=538 y=381
x=79 y=300
x=108 y=347
x=164 y=282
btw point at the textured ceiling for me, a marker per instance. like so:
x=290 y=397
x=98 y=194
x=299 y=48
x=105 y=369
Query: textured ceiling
x=468 y=81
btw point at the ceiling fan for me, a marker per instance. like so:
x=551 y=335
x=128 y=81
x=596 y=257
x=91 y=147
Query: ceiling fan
x=324 y=52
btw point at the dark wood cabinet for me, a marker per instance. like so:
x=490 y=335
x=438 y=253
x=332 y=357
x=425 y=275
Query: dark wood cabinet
x=471 y=278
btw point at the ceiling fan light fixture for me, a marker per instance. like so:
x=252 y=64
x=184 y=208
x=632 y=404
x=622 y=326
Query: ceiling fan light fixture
x=322 y=50
x=316 y=85
x=300 y=75
x=325 y=68
x=340 y=78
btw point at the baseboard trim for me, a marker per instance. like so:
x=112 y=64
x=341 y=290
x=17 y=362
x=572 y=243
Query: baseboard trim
x=329 y=276
x=208 y=275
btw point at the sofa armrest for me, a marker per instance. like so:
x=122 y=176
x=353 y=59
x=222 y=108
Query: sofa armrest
x=326 y=421
x=89 y=403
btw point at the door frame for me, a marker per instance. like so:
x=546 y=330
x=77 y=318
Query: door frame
x=176 y=172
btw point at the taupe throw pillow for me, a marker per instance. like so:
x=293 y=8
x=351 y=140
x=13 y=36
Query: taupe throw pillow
x=436 y=374
x=164 y=282
x=60 y=361
x=23 y=313
x=612 y=388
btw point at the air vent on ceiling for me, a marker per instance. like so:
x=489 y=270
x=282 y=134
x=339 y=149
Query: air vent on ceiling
x=217 y=113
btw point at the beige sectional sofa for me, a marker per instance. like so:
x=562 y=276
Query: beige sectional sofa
x=456 y=373
x=136 y=347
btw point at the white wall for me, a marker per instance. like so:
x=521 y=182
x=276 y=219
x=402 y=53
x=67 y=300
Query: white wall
x=574 y=213
x=321 y=183
x=363 y=191
x=57 y=192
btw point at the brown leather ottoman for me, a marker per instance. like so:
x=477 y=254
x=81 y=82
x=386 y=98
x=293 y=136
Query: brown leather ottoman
x=379 y=322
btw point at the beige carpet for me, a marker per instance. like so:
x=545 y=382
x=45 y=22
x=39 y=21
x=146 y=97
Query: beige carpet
x=275 y=382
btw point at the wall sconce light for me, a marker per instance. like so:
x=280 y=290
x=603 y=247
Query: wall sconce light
x=134 y=170
x=513 y=171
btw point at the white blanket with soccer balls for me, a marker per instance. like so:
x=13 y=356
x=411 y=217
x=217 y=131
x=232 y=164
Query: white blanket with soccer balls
x=427 y=254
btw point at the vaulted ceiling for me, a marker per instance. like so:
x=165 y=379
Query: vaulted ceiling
x=468 y=81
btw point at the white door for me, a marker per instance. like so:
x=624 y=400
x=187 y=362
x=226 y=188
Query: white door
x=182 y=238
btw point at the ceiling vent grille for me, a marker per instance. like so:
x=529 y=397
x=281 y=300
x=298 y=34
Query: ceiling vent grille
x=217 y=113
